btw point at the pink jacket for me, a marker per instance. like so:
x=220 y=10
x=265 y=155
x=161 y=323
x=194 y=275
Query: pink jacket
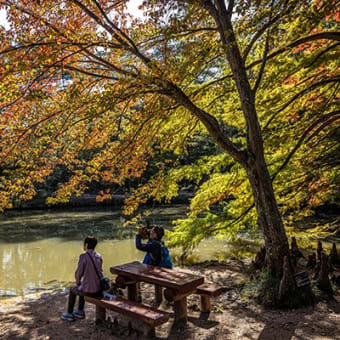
x=86 y=277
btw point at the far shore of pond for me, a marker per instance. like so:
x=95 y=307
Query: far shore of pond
x=90 y=200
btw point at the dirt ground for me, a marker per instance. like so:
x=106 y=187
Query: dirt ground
x=233 y=316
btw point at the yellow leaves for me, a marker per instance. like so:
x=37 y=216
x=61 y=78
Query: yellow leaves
x=75 y=186
x=216 y=189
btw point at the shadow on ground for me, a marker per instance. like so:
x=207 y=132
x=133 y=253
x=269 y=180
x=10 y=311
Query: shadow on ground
x=231 y=318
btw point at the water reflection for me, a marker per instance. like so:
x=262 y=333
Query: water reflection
x=39 y=250
x=50 y=263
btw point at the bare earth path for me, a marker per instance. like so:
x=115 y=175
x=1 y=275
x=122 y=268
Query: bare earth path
x=231 y=318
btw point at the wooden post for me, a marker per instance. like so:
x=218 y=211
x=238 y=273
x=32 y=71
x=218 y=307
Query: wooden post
x=180 y=309
x=100 y=314
x=158 y=293
x=132 y=292
x=205 y=303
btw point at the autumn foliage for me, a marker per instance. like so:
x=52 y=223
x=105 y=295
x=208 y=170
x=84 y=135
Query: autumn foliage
x=90 y=88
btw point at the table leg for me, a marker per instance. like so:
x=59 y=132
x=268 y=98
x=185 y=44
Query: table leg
x=132 y=292
x=158 y=293
x=100 y=314
x=180 y=310
x=205 y=304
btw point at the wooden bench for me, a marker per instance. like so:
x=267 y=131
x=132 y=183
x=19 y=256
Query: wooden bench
x=150 y=317
x=207 y=291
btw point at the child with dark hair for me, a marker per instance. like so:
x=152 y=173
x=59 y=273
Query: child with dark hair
x=87 y=281
x=157 y=253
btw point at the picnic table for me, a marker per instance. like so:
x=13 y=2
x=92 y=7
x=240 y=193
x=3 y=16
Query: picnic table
x=178 y=285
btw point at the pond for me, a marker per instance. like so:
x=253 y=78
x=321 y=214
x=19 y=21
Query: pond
x=39 y=250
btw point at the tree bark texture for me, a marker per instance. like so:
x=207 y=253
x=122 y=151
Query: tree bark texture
x=276 y=242
x=269 y=218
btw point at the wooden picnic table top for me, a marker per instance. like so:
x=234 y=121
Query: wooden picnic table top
x=164 y=277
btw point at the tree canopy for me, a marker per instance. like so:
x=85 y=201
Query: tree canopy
x=87 y=86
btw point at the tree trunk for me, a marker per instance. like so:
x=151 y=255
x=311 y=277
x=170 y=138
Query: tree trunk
x=276 y=242
x=269 y=218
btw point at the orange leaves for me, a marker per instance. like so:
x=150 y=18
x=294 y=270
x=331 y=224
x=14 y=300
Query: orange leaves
x=290 y=81
x=102 y=196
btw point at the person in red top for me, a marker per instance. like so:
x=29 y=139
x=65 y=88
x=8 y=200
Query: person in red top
x=87 y=281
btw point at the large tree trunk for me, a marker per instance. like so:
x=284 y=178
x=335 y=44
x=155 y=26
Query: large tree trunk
x=269 y=218
x=276 y=242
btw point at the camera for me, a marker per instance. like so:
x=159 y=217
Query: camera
x=144 y=231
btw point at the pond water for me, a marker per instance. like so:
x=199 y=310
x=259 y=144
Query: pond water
x=39 y=250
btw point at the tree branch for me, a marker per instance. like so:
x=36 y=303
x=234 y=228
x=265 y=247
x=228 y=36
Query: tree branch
x=259 y=33
x=211 y=125
x=230 y=8
x=328 y=119
x=318 y=36
x=96 y=75
x=321 y=54
x=298 y=95
x=264 y=60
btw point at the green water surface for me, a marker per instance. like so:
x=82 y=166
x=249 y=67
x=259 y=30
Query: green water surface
x=39 y=250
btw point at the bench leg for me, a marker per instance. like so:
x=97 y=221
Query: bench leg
x=158 y=293
x=149 y=331
x=100 y=314
x=180 y=310
x=132 y=292
x=138 y=293
x=205 y=303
